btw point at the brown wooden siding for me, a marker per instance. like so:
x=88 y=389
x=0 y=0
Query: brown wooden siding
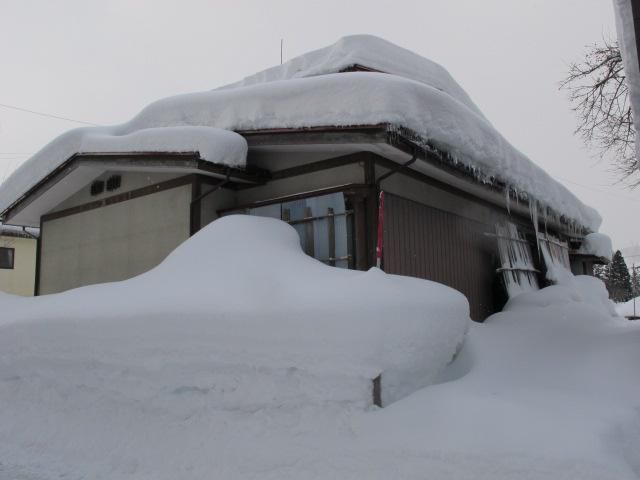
x=425 y=242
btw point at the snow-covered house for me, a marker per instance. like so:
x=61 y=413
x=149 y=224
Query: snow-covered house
x=373 y=153
x=17 y=259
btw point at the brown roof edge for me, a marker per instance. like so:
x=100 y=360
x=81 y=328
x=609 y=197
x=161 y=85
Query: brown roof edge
x=325 y=128
x=401 y=138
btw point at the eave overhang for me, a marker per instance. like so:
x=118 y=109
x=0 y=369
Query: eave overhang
x=399 y=145
x=80 y=169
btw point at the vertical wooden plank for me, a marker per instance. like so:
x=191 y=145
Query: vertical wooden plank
x=331 y=232
x=377 y=391
x=36 y=286
x=194 y=207
x=429 y=243
x=309 y=241
x=360 y=232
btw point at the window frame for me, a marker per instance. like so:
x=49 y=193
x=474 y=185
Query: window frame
x=12 y=256
x=354 y=195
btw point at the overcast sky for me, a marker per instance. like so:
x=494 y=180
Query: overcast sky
x=103 y=61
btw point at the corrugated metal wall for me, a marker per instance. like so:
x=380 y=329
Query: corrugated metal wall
x=425 y=242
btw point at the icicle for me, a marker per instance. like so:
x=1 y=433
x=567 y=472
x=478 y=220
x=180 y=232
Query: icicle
x=507 y=200
x=516 y=261
x=533 y=213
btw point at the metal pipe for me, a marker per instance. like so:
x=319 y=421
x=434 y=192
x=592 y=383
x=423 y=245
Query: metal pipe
x=215 y=187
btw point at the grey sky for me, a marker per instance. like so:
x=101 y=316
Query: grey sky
x=104 y=61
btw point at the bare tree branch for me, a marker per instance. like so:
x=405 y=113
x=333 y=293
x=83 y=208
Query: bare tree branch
x=600 y=97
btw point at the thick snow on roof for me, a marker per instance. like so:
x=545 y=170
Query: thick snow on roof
x=628 y=47
x=597 y=244
x=213 y=144
x=16 y=230
x=367 y=51
x=346 y=99
x=428 y=102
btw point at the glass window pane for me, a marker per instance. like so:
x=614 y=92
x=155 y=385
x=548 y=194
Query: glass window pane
x=6 y=257
x=322 y=224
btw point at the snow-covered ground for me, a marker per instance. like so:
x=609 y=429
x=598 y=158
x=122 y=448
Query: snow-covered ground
x=251 y=360
x=626 y=309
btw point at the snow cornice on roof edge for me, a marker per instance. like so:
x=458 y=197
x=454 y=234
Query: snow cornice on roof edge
x=212 y=144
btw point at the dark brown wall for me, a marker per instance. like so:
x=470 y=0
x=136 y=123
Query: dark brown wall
x=426 y=242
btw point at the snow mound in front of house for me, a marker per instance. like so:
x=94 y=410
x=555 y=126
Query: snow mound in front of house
x=576 y=290
x=160 y=383
x=242 y=293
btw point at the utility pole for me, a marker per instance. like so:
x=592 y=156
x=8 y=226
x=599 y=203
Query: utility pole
x=634 y=288
x=281 y=44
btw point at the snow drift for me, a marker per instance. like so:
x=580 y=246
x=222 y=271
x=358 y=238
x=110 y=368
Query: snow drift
x=103 y=383
x=418 y=95
x=626 y=309
x=245 y=289
x=597 y=244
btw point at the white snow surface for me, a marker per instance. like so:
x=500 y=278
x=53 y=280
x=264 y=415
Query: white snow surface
x=367 y=51
x=254 y=295
x=597 y=244
x=213 y=144
x=14 y=229
x=628 y=48
x=625 y=309
x=252 y=369
x=420 y=97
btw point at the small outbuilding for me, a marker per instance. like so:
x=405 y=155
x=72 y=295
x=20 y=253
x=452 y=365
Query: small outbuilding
x=375 y=155
x=17 y=259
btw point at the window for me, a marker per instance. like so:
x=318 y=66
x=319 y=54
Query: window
x=555 y=253
x=97 y=187
x=7 y=256
x=113 y=182
x=323 y=223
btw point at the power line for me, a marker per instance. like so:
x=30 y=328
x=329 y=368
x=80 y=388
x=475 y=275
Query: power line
x=48 y=115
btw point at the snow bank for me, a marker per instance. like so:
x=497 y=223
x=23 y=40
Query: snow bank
x=597 y=244
x=546 y=390
x=626 y=309
x=421 y=97
x=579 y=290
x=244 y=286
x=213 y=144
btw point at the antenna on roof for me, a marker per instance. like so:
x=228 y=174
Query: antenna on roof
x=281 y=42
